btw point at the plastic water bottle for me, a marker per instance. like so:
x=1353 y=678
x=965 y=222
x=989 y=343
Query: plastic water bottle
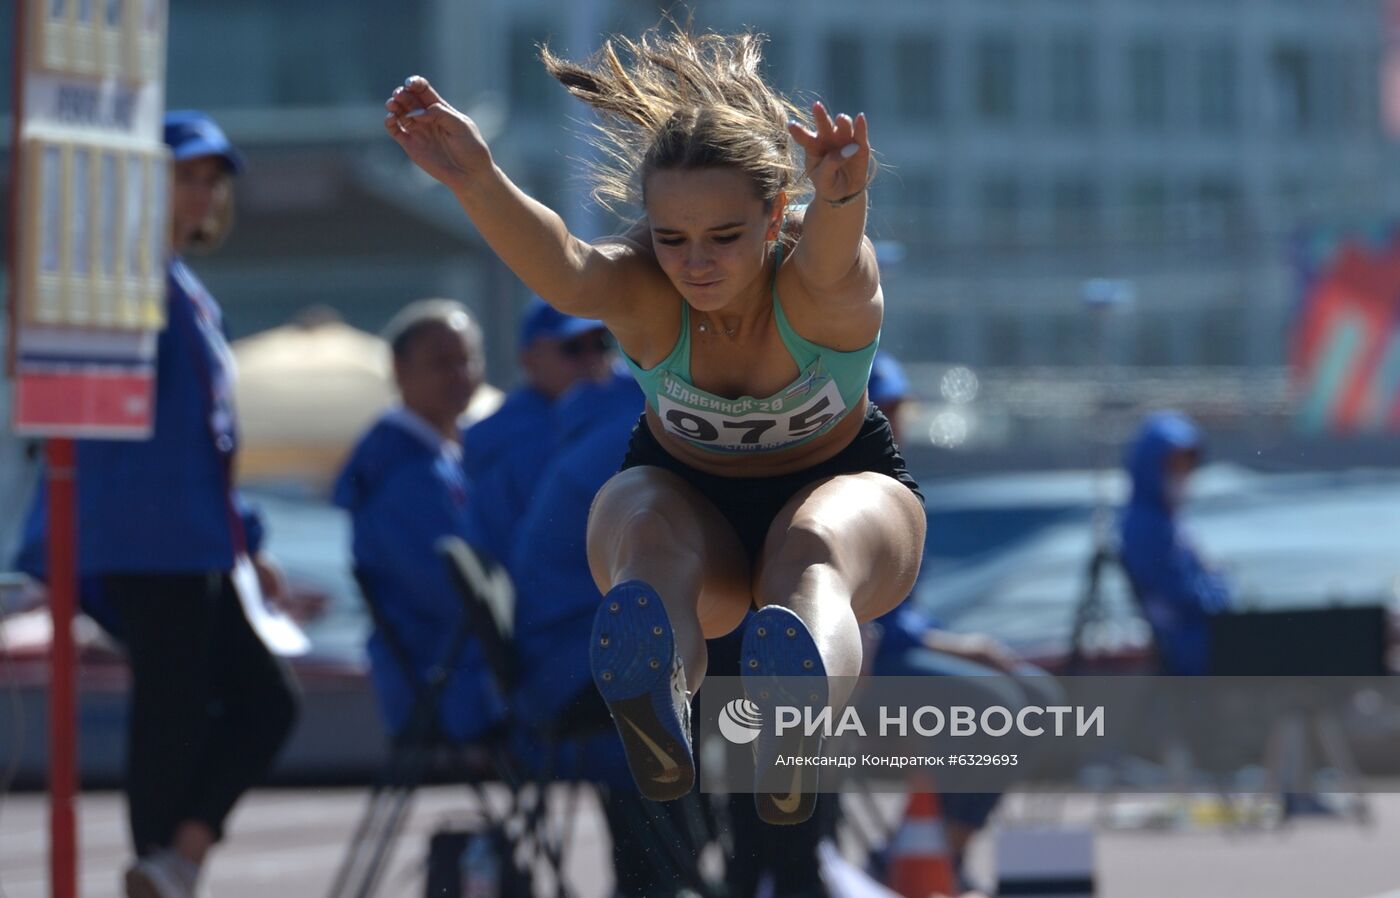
x=479 y=869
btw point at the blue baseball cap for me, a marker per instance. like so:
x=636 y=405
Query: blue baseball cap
x=543 y=320
x=190 y=134
x=887 y=380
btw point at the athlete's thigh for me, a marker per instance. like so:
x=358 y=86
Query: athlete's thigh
x=651 y=509
x=868 y=525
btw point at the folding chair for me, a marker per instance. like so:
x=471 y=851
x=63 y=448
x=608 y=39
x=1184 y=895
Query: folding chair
x=490 y=600
x=1178 y=759
x=1092 y=609
x=415 y=751
x=1317 y=644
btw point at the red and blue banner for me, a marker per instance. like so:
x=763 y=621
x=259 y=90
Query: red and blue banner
x=1346 y=338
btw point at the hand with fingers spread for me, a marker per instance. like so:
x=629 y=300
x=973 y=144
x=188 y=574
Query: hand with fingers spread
x=838 y=154
x=440 y=140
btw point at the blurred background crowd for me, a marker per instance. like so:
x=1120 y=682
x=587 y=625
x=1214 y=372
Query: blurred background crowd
x=1087 y=212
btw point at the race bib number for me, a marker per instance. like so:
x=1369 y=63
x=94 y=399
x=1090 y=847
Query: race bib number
x=748 y=425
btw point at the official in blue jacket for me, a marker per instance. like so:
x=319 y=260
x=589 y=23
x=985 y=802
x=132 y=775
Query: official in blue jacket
x=1177 y=592
x=556 y=596
x=505 y=453
x=405 y=489
x=160 y=530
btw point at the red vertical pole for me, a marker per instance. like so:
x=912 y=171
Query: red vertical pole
x=63 y=854
x=63 y=718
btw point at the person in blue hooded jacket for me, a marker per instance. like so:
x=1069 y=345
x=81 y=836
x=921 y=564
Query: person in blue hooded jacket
x=405 y=489
x=505 y=453
x=160 y=530
x=1176 y=591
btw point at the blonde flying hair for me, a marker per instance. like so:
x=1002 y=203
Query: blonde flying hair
x=678 y=100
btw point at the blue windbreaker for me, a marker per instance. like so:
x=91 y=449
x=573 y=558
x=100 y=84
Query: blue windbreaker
x=555 y=593
x=165 y=505
x=1176 y=591
x=503 y=455
x=404 y=489
x=32 y=557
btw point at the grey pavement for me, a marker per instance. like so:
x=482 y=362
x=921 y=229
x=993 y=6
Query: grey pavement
x=288 y=842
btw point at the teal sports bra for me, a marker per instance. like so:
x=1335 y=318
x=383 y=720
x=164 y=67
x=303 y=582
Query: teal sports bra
x=829 y=384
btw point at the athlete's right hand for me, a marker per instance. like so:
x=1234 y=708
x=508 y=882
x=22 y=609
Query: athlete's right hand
x=440 y=140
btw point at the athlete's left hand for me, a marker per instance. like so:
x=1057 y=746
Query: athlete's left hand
x=838 y=153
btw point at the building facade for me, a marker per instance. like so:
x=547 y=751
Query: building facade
x=1029 y=146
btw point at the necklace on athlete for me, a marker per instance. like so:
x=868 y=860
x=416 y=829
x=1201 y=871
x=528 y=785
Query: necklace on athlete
x=706 y=329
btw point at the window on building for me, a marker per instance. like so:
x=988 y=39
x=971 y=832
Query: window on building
x=934 y=339
x=532 y=91
x=778 y=63
x=1291 y=76
x=845 y=74
x=994 y=78
x=1147 y=83
x=1072 y=100
x=7 y=39
x=1291 y=194
x=921 y=203
x=261 y=53
x=1217 y=74
x=1342 y=88
x=918 y=66
x=1003 y=338
x=1222 y=337
x=1074 y=208
x=886 y=218
x=1059 y=338
x=1374 y=96
x=1037 y=337
x=1218 y=206
x=1152 y=343
x=1147 y=205
x=1041 y=337
x=1001 y=208
x=237 y=70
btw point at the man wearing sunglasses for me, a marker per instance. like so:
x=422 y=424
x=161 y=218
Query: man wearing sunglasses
x=505 y=453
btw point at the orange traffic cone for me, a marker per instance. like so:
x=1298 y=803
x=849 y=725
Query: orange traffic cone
x=920 y=863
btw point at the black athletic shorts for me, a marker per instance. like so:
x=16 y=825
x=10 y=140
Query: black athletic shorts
x=750 y=504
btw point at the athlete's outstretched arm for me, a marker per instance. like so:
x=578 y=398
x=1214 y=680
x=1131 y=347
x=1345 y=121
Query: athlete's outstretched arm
x=529 y=237
x=833 y=258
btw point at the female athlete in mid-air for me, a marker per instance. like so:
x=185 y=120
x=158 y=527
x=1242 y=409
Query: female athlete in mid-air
x=760 y=475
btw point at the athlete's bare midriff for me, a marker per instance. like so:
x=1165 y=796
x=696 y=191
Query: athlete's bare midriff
x=763 y=464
